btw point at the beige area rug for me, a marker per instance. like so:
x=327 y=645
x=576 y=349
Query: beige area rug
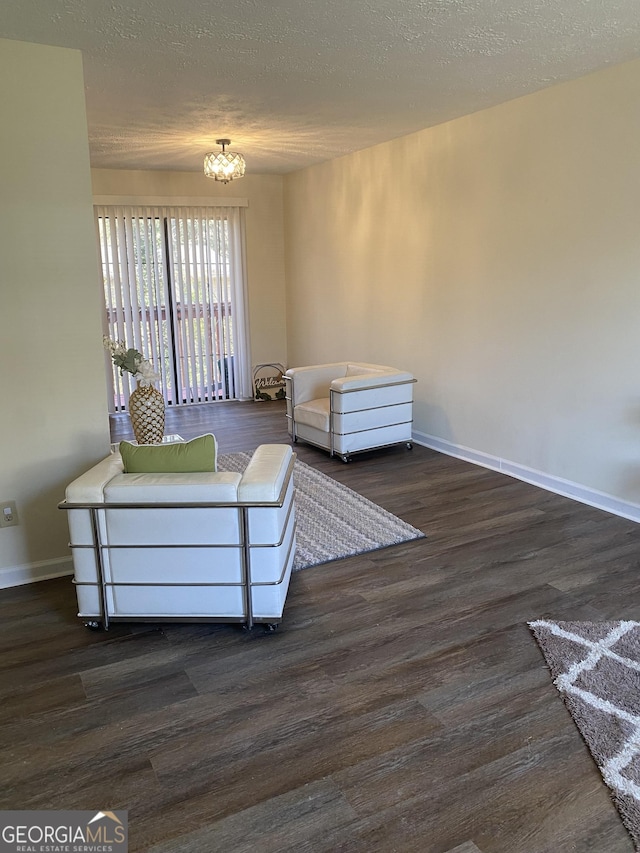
x=333 y=521
x=596 y=668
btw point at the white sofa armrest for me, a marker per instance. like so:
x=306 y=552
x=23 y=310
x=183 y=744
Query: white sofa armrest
x=267 y=474
x=88 y=488
x=312 y=383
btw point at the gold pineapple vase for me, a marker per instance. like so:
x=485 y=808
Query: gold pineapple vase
x=146 y=410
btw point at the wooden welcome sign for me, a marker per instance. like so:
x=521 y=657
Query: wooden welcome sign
x=268 y=382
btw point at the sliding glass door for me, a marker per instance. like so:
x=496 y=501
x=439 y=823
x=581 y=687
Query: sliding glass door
x=175 y=289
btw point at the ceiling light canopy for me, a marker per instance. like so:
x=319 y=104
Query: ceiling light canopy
x=224 y=165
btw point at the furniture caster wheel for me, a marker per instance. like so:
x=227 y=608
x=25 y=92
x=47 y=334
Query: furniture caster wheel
x=270 y=627
x=93 y=625
x=409 y=445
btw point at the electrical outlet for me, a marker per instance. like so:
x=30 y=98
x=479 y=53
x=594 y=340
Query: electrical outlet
x=8 y=514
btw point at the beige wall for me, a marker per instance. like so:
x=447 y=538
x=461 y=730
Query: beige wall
x=265 y=239
x=498 y=258
x=54 y=413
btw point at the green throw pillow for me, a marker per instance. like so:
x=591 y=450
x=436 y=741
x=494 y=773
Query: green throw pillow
x=181 y=457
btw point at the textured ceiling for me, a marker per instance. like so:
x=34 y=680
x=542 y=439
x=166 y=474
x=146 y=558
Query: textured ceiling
x=295 y=82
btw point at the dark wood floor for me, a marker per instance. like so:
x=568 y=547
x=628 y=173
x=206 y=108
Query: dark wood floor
x=402 y=706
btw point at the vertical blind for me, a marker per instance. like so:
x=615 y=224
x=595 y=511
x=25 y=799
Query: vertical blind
x=174 y=287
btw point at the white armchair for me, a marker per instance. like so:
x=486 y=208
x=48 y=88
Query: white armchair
x=192 y=547
x=348 y=407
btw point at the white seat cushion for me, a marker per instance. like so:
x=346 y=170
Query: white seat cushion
x=315 y=413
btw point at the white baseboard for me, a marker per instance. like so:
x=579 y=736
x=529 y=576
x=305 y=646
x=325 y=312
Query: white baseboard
x=33 y=572
x=566 y=488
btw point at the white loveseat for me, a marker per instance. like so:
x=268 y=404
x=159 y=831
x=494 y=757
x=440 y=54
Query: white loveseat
x=347 y=407
x=183 y=547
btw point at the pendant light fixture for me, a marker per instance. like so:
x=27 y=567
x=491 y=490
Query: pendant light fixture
x=224 y=165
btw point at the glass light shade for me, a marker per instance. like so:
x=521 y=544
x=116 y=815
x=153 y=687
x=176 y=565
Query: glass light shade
x=224 y=166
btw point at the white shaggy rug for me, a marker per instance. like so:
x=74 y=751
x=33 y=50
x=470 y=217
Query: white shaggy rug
x=596 y=668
